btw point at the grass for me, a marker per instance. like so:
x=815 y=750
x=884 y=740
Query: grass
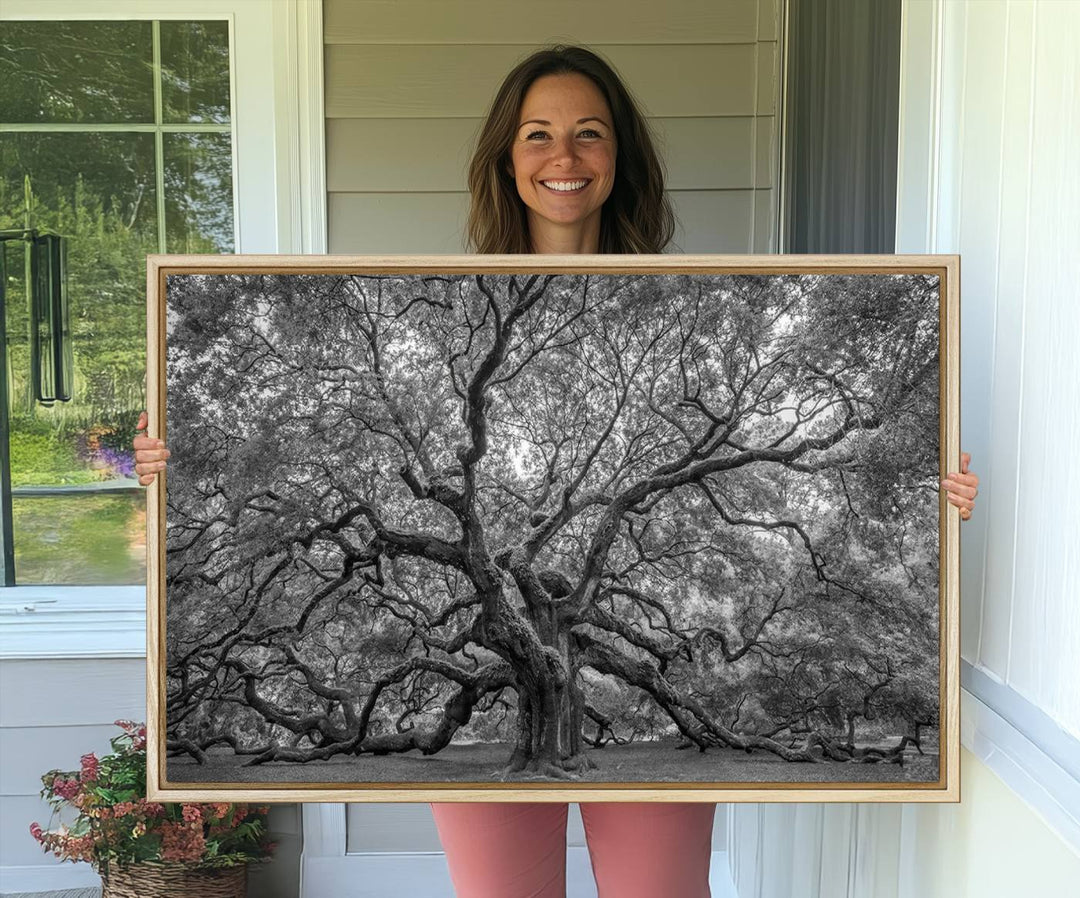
x=642 y=762
x=80 y=539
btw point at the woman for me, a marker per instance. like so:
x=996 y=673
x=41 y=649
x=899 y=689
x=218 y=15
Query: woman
x=565 y=164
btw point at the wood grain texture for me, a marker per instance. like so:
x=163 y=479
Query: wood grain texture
x=162 y=265
x=155 y=528
x=950 y=593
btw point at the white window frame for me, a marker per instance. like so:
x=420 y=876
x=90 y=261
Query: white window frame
x=279 y=197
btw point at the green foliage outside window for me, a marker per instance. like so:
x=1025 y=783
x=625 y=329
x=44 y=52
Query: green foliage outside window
x=87 y=151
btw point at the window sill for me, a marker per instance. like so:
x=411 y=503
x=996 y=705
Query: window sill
x=1040 y=773
x=73 y=622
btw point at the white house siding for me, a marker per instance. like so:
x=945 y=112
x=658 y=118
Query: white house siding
x=408 y=82
x=53 y=711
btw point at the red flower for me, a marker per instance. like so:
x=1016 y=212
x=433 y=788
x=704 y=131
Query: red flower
x=217 y=809
x=150 y=808
x=65 y=788
x=89 y=768
x=181 y=842
x=122 y=831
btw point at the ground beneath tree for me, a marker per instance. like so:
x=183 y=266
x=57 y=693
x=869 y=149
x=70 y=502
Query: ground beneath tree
x=640 y=762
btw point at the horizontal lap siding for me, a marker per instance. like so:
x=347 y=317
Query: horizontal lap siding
x=386 y=222
x=460 y=80
x=529 y=23
x=399 y=155
x=409 y=81
x=51 y=713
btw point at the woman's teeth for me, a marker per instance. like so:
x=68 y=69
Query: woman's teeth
x=564 y=186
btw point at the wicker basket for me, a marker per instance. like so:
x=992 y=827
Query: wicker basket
x=149 y=880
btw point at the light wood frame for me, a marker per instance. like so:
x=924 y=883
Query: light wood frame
x=946 y=789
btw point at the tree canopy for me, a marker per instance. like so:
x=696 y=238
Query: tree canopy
x=551 y=510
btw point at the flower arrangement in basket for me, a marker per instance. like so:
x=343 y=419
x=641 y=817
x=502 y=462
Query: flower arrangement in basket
x=142 y=847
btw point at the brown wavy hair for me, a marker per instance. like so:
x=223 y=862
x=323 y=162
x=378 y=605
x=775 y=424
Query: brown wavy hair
x=636 y=218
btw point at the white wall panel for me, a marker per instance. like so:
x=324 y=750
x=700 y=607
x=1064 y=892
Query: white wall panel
x=713 y=221
x=65 y=693
x=976 y=236
x=27 y=752
x=1014 y=211
x=51 y=713
x=432 y=154
x=1045 y=637
x=1002 y=188
x=387 y=827
x=372 y=223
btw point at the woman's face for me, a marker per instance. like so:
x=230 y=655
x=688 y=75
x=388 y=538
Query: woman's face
x=563 y=157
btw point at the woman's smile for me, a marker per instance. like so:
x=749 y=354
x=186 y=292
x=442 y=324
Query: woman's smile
x=574 y=186
x=563 y=162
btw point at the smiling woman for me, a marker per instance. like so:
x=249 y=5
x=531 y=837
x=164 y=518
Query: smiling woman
x=560 y=117
x=563 y=162
x=604 y=188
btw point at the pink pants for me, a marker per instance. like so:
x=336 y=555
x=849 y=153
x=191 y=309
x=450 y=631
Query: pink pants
x=638 y=850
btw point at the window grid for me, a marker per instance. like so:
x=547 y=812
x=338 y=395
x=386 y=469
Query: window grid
x=159 y=128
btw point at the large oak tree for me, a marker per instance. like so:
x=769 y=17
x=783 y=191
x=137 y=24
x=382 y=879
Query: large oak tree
x=555 y=510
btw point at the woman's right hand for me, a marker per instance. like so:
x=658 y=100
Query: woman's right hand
x=150 y=454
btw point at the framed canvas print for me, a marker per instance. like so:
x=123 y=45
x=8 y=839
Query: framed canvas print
x=585 y=528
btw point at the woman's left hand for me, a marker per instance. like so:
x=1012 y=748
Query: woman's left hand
x=962 y=487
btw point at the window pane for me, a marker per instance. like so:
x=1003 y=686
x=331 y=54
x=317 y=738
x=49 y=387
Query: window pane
x=77 y=519
x=198 y=193
x=76 y=72
x=80 y=539
x=80 y=183
x=195 y=71
x=98 y=191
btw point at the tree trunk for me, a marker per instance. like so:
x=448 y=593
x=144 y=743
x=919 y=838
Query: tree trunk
x=550 y=714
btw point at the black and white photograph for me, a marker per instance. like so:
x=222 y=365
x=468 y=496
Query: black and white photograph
x=540 y=528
